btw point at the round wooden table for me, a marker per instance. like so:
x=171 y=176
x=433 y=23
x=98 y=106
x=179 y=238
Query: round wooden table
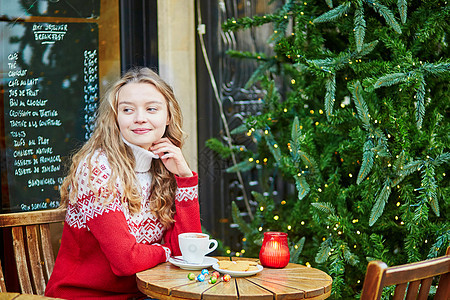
x=167 y=281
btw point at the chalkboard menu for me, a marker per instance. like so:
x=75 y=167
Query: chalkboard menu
x=50 y=90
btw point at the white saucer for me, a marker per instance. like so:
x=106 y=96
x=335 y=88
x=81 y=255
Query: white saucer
x=179 y=262
x=237 y=273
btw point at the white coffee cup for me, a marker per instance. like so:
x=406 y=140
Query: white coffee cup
x=194 y=246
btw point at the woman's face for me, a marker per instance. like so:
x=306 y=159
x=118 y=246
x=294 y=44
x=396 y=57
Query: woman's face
x=142 y=114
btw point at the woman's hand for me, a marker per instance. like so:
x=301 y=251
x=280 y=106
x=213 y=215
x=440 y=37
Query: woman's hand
x=171 y=157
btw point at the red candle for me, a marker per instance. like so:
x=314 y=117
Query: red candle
x=274 y=251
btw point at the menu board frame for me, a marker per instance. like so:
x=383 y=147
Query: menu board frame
x=25 y=107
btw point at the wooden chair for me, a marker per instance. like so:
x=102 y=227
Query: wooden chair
x=33 y=252
x=408 y=279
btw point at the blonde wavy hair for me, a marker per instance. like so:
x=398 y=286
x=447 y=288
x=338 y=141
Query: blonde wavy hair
x=107 y=138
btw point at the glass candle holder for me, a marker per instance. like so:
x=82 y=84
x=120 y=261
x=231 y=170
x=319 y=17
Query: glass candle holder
x=274 y=251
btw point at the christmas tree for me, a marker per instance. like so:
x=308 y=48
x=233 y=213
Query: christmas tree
x=355 y=118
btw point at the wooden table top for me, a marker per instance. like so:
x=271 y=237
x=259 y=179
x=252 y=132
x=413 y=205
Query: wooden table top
x=295 y=281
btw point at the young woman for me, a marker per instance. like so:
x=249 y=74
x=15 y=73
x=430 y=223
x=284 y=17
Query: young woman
x=129 y=193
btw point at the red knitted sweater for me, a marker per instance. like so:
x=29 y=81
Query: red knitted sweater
x=104 y=246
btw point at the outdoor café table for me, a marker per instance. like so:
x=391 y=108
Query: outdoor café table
x=295 y=281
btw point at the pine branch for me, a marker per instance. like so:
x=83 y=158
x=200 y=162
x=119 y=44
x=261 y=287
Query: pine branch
x=360 y=27
x=325 y=207
x=442 y=242
x=380 y=202
x=302 y=186
x=309 y=162
x=420 y=104
x=274 y=148
x=367 y=161
x=379 y=249
x=441 y=159
x=330 y=85
x=391 y=79
x=411 y=167
x=247 y=22
x=429 y=187
x=242 y=166
x=367 y=48
x=386 y=14
x=297 y=250
x=437 y=69
x=329 y=3
x=349 y=256
x=217 y=146
x=243 y=226
x=361 y=106
x=334 y=13
x=402 y=9
x=240 y=129
x=259 y=73
x=295 y=139
x=324 y=250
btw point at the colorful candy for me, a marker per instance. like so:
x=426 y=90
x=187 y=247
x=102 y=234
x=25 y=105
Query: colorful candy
x=201 y=278
x=226 y=277
x=213 y=278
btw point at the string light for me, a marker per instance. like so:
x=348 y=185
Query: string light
x=276 y=217
x=250 y=159
x=308 y=264
x=283 y=202
x=260 y=228
x=302 y=222
x=289 y=227
x=228 y=251
x=261 y=208
x=244 y=239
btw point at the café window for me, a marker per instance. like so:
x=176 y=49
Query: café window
x=57 y=58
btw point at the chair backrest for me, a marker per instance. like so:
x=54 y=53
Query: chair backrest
x=33 y=251
x=413 y=280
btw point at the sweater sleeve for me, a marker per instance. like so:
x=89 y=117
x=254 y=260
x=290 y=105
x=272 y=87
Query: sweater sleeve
x=106 y=221
x=187 y=216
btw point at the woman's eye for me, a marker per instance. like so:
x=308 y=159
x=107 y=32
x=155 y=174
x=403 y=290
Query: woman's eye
x=152 y=109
